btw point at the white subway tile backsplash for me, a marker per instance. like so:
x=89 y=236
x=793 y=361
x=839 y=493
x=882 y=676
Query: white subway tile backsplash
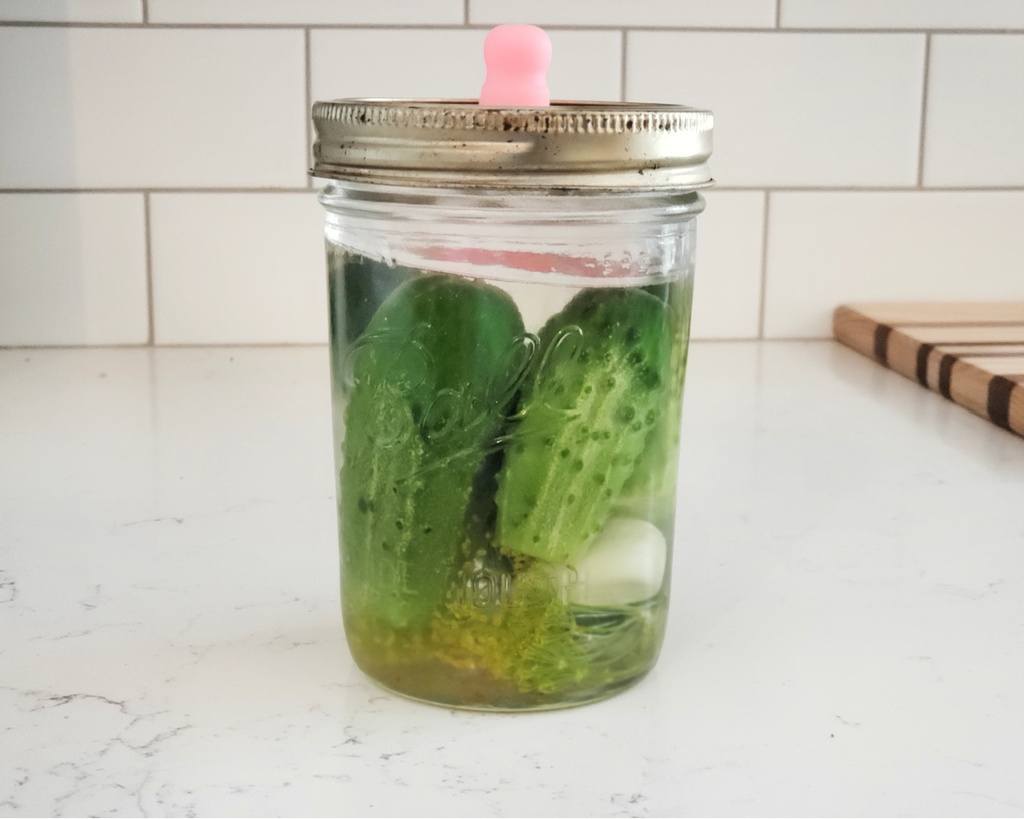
x=727 y=285
x=72 y=11
x=449 y=63
x=828 y=248
x=793 y=109
x=237 y=268
x=107 y=107
x=903 y=14
x=218 y=102
x=975 y=124
x=306 y=12
x=72 y=269
x=703 y=13
x=367 y=63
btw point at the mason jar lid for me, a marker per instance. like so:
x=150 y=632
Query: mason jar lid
x=568 y=145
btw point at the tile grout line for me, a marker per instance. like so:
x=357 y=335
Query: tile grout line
x=465 y=12
x=778 y=13
x=145 y=12
x=154 y=190
x=623 y=52
x=171 y=345
x=207 y=345
x=309 y=109
x=913 y=188
x=718 y=187
x=487 y=26
x=924 y=109
x=764 y=266
x=151 y=339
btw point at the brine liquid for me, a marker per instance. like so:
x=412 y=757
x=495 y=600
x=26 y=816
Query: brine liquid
x=506 y=457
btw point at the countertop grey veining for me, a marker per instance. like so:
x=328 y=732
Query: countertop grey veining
x=846 y=634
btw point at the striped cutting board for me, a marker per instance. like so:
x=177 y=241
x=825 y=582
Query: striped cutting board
x=972 y=353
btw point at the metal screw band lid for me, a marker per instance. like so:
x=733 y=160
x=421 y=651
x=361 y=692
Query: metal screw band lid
x=457 y=143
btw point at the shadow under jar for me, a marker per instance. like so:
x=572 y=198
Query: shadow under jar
x=510 y=298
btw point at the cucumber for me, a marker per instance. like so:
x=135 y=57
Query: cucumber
x=430 y=384
x=651 y=490
x=599 y=388
x=366 y=283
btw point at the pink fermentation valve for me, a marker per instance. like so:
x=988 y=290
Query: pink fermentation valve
x=517 y=59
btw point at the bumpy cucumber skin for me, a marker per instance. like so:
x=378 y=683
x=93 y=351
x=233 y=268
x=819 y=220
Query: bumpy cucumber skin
x=598 y=390
x=425 y=406
x=651 y=490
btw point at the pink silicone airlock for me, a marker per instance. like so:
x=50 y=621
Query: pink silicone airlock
x=517 y=59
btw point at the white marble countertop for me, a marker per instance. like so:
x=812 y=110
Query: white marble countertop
x=846 y=635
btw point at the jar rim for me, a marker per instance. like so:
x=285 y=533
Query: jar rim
x=393 y=201
x=577 y=145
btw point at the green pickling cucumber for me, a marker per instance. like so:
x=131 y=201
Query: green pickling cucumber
x=650 y=491
x=586 y=414
x=366 y=284
x=429 y=391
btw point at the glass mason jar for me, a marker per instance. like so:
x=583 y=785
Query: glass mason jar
x=510 y=300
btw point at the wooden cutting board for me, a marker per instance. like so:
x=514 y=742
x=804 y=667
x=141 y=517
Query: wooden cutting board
x=971 y=353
